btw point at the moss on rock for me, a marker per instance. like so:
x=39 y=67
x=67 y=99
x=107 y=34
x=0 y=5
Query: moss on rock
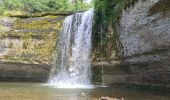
x=106 y=15
x=31 y=40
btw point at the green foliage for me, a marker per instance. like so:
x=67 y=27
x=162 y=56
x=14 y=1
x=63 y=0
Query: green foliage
x=106 y=15
x=108 y=11
x=18 y=7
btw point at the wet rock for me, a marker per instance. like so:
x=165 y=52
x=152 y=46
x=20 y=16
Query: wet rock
x=29 y=40
x=20 y=72
x=143 y=32
x=144 y=40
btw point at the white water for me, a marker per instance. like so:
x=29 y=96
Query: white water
x=72 y=62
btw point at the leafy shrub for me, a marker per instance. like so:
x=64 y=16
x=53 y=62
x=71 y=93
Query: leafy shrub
x=41 y=6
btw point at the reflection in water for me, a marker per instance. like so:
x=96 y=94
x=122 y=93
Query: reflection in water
x=28 y=91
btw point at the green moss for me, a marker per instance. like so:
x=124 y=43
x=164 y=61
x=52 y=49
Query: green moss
x=33 y=52
x=10 y=45
x=2 y=27
x=13 y=12
x=45 y=49
x=3 y=34
x=35 y=25
x=37 y=39
x=50 y=16
x=106 y=16
x=96 y=76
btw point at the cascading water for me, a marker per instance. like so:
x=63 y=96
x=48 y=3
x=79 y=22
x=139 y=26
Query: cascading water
x=72 y=61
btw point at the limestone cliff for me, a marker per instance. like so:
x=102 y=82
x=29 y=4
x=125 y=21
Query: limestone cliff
x=142 y=35
x=29 y=40
x=27 y=46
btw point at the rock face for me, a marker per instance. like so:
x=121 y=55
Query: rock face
x=30 y=40
x=26 y=47
x=143 y=33
x=10 y=71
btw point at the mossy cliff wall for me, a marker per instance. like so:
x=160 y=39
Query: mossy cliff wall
x=29 y=40
x=27 y=46
x=107 y=14
x=141 y=41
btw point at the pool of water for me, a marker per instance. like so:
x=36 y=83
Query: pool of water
x=37 y=91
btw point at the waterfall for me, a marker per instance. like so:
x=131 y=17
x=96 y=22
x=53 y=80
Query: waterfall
x=72 y=60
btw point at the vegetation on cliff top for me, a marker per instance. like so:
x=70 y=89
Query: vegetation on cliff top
x=21 y=7
x=108 y=11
